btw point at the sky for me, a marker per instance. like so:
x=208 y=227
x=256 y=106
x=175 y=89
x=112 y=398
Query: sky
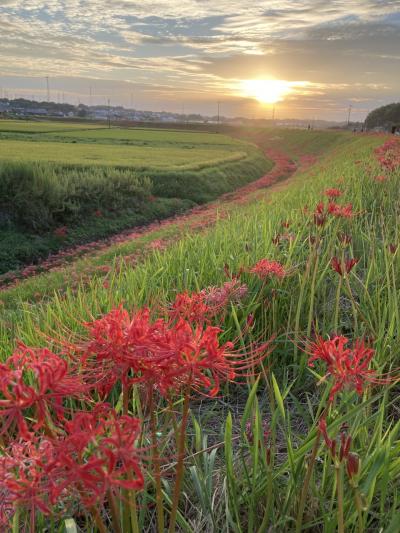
x=188 y=55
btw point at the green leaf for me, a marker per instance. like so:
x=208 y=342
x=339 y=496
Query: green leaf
x=278 y=397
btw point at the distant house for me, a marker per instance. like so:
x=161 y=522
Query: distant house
x=36 y=111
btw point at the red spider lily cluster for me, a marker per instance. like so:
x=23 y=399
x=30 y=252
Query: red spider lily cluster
x=265 y=269
x=388 y=155
x=343 y=267
x=52 y=456
x=172 y=354
x=322 y=211
x=91 y=454
x=347 y=367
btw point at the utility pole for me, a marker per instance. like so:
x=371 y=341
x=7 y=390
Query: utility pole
x=348 y=115
x=48 y=88
x=109 y=116
x=218 y=103
x=90 y=96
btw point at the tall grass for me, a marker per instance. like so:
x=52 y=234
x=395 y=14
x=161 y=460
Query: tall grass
x=40 y=196
x=237 y=476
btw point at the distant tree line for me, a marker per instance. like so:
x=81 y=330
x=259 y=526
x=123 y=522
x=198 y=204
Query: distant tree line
x=387 y=116
x=23 y=103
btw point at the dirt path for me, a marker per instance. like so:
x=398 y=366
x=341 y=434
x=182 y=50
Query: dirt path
x=197 y=219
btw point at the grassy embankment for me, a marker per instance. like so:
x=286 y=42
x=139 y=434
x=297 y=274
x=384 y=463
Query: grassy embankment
x=63 y=187
x=254 y=457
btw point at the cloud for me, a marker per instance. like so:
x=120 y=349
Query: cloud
x=201 y=47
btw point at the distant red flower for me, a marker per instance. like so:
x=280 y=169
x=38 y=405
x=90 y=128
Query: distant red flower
x=380 y=178
x=334 y=209
x=98 y=213
x=346 y=211
x=61 y=232
x=347 y=366
x=392 y=248
x=343 y=267
x=267 y=269
x=388 y=155
x=344 y=238
x=219 y=297
x=333 y=193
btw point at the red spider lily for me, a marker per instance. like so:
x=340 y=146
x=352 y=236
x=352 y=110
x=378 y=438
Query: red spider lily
x=333 y=193
x=380 y=178
x=388 y=155
x=98 y=453
x=199 y=361
x=266 y=437
x=120 y=343
x=322 y=211
x=192 y=307
x=25 y=477
x=333 y=208
x=38 y=380
x=353 y=464
x=61 y=232
x=285 y=223
x=231 y=291
x=345 y=442
x=346 y=211
x=343 y=267
x=392 y=248
x=348 y=367
x=267 y=269
x=344 y=238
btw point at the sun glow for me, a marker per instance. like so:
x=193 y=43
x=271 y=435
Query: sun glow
x=266 y=91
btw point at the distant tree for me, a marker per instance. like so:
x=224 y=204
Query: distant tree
x=82 y=111
x=386 y=117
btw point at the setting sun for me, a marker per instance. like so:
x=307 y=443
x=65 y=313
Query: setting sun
x=266 y=91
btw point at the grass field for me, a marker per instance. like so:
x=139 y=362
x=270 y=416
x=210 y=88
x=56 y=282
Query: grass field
x=135 y=157
x=30 y=126
x=299 y=434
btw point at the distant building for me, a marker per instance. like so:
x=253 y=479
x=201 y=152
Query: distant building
x=36 y=111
